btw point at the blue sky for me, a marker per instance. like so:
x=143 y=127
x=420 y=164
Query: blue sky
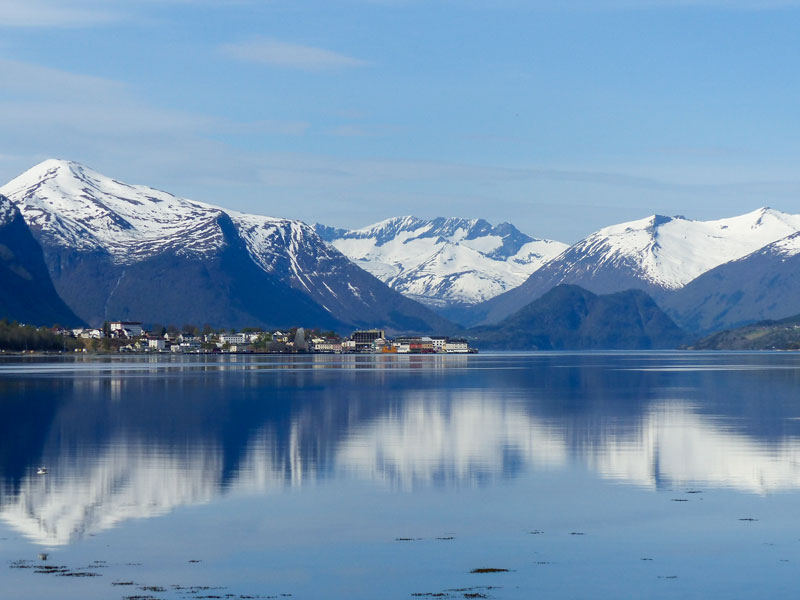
x=560 y=117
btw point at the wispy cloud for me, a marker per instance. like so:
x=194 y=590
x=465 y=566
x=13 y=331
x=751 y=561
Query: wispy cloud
x=55 y=13
x=291 y=56
x=264 y=127
x=83 y=104
x=106 y=122
x=105 y=107
x=87 y=13
x=595 y=5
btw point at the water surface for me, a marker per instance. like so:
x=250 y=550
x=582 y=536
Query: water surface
x=584 y=475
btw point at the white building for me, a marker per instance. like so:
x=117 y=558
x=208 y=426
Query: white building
x=457 y=347
x=233 y=338
x=439 y=344
x=156 y=344
x=327 y=346
x=126 y=328
x=88 y=334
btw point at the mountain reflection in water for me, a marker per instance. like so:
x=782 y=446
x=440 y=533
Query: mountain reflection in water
x=136 y=439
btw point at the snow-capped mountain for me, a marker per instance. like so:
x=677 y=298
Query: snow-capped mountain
x=443 y=262
x=657 y=254
x=128 y=251
x=27 y=294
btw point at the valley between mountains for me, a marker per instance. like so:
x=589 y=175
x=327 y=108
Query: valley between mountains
x=77 y=247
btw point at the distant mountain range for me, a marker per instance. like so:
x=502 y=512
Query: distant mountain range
x=77 y=246
x=444 y=263
x=706 y=275
x=119 y=251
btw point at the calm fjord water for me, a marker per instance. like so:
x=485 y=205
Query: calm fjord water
x=661 y=475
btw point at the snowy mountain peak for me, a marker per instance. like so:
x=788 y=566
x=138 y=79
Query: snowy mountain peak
x=671 y=251
x=444 y=261
x=76 y=207
x=73 y=205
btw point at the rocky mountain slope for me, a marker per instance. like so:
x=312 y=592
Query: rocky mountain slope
x=444 y=263
x=762 y=285
x=118 y=251
x=658 y=255
x=27 y=294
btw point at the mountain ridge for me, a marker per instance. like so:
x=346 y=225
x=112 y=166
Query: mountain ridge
x=569 y=317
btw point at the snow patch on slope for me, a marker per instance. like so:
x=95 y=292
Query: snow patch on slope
x=786 y=247
x=7 y=210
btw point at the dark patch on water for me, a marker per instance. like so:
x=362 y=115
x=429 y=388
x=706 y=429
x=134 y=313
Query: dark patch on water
x=489 y=570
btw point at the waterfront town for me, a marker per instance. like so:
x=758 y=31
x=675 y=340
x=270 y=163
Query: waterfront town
x=128 y=336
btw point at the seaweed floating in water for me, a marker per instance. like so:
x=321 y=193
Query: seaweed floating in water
x=467 y=592
x=51 y=569
x=489 y=570
x=21 y=564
